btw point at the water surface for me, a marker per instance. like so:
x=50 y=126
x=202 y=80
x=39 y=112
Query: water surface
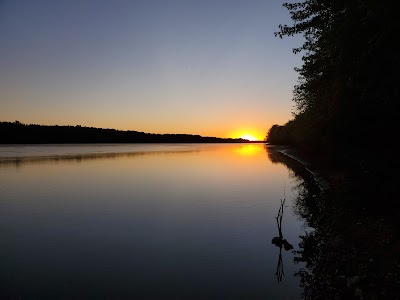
x=151 y=221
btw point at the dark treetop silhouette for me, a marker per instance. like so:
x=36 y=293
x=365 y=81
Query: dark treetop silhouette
x=348 y=89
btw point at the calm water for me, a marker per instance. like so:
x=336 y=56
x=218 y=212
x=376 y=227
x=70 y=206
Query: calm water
x=145 y=222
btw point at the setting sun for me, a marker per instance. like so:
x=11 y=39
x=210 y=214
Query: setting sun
x=251 y=134
x=249 y=137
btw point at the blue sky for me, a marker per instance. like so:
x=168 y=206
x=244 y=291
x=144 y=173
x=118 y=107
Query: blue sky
x=213 y=68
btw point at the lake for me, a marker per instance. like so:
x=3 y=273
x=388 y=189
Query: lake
x=146 y=221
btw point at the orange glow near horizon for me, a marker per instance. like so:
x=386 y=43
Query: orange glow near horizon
x=248 y=137
x=248 y=134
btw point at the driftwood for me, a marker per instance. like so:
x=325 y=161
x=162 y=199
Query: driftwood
x=280 y=242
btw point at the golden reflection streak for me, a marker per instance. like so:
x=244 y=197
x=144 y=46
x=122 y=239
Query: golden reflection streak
x=249 y=150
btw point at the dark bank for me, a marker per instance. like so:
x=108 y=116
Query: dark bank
x=345 y=128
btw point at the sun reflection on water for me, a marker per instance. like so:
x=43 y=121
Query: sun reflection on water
x=249 y=150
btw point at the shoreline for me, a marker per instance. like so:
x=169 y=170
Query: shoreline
x=354 y=252
x=298 y=156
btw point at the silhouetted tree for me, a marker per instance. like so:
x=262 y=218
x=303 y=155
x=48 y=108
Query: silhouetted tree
x=347 y=90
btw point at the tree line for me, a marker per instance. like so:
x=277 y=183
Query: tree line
x=347 y=90
x=19 y=133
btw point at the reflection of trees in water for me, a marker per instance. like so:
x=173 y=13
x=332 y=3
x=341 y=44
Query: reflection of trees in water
x=77 y=158
x=320 y=277
x=307 y=189
x=309 y=206
x=346 y=256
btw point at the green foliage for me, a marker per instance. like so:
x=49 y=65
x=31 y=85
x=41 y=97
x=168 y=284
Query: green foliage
x=347 y=88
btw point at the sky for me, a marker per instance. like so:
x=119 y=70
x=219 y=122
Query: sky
x=208 y=67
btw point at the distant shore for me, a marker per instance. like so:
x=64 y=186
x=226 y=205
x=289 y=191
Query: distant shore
x=19 y=133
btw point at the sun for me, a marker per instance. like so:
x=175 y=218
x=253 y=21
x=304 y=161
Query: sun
x=251 y=134
x=249 y=137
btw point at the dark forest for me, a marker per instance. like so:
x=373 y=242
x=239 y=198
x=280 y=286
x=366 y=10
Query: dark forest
x=347 y=89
